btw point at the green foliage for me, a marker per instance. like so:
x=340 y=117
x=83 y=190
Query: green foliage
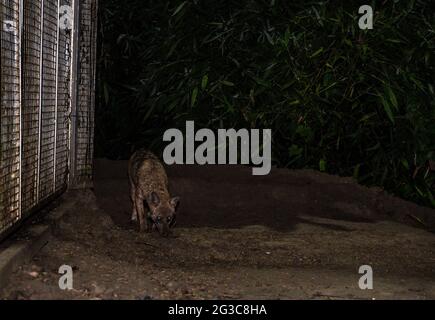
x=337 y=98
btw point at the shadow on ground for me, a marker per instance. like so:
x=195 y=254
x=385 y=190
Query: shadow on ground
x=230 y=197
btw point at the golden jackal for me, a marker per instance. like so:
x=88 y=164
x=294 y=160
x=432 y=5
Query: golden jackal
x=149 y=183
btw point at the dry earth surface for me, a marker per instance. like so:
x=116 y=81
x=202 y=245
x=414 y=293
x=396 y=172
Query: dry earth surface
x=289 y=235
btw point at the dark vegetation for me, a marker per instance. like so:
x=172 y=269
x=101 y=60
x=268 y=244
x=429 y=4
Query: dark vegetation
x=337 y=98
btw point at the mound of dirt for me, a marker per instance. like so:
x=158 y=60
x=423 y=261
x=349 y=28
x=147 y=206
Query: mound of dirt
x=230 y=197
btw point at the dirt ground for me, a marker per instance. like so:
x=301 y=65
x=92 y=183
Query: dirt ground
x=289 y=235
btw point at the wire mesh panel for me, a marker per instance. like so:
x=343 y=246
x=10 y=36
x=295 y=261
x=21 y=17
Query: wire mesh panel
x=86 y=89
x=9 y=113
x=31 y=58
x=47 y=69
x=63 y=96
x=48 y=107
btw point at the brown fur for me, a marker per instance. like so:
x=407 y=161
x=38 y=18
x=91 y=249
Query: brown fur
x=149 y=183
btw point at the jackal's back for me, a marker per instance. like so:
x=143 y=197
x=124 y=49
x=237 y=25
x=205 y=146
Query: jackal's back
x=147 y=173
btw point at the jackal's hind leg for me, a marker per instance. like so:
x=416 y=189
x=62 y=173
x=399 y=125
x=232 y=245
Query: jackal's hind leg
x=133 y=199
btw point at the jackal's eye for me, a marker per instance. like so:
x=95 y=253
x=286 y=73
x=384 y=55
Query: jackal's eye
x=159 y=218
x=169 y=219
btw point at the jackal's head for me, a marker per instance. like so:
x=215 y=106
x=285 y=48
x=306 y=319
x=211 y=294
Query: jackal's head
x=163 y=213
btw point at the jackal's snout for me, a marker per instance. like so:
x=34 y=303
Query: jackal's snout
x=163 y=214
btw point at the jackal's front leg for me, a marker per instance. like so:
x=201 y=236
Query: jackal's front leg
x=140 y=209
x=133 y=199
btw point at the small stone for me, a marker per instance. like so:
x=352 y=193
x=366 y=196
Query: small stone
x=98 y=289
x=34 y=274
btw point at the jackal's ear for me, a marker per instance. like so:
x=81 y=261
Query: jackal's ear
x=154 y=198
x=175 y=201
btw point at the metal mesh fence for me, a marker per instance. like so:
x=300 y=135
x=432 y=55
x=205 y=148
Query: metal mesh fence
x=86 y=97
x=38 y=139
x=63 y=103
x=48 y=106
x=31 y=55
x=9 y=113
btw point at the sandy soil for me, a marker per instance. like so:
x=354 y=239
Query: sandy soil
x=289 y=235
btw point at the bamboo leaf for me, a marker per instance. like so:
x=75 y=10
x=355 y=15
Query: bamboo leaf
x=181 y=6
x=227 y=83
x=322 y=165
x=387 y=109
x=194 y=96
x=204 y=82
x=392 y=97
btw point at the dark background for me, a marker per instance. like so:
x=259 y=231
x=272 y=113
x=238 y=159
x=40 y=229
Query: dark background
x=338 y=99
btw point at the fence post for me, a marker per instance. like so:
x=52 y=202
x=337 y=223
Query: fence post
x=10 y=113
x=72 y=167
x=83 y=97
x=20 y=44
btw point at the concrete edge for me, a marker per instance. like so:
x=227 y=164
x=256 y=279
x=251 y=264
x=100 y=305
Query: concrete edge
x=30 y=239
x=18 y=253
